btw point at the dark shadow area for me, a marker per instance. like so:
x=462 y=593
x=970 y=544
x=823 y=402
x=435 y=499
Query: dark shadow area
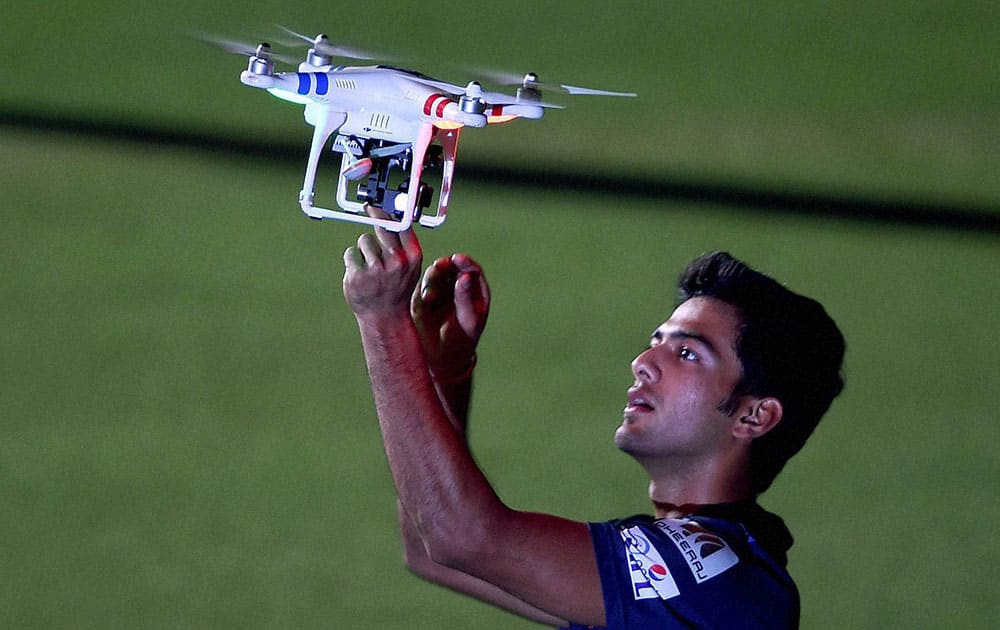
x=900 y=212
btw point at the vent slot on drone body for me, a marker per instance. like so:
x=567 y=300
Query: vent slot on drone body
x=346 y=84
x=379 y=121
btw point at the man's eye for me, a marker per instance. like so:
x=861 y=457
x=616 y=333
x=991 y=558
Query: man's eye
x=688 y=354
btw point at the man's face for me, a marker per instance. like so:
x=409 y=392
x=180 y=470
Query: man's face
x=689 y=369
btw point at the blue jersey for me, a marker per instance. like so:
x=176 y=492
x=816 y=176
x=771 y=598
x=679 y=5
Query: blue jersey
x=721 y=567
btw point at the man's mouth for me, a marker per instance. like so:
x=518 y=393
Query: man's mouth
x=637 y=403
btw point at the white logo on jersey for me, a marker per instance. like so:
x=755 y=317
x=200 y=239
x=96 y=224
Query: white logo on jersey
x=707 y=555
x=650 y=576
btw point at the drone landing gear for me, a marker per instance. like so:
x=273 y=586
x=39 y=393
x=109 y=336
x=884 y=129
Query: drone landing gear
x=388 y=174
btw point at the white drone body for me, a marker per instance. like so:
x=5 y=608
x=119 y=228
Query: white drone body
x=388 y=119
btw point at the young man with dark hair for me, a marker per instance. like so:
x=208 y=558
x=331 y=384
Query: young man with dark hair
x=729 y=388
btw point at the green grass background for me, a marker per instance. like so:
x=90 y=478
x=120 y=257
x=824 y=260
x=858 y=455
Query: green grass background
x=187 y=433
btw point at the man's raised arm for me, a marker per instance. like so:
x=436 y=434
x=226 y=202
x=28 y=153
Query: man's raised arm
x=544 y=561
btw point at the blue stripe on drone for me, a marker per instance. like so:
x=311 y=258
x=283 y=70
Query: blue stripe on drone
x=304 y=83
x=322 y=83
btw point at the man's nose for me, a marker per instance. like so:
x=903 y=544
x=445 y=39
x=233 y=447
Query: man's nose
x=644 y=369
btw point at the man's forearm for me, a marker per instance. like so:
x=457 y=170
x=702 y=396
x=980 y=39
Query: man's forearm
x=437 y=480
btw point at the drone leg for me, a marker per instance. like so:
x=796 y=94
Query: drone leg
x=325 y=126
x=424 y=136
x=449 y=146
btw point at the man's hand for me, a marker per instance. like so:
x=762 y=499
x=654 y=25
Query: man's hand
x=381 y=273
x=450 y=311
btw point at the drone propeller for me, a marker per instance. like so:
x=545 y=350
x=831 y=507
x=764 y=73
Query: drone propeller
x=529 y=82
x=476 y=91
x=473 y=95
x=262 y=50
x=237 y=47
x=322 y=47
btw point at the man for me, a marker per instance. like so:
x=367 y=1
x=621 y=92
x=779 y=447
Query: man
x=729 y=388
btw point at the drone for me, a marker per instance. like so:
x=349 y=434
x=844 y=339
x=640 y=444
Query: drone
x=393 y=126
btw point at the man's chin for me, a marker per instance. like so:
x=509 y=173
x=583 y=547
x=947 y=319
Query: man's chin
x=625 y=436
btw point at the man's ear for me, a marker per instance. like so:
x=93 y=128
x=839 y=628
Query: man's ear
x=760 y=416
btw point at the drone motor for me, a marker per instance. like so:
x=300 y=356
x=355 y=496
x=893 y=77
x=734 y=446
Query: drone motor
x=260 y=62
x=472 y=101
x=316 y=55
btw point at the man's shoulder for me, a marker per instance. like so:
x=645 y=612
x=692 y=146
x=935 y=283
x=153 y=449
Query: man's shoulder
x=737 y=525
x=680 y=568
x=706 y=552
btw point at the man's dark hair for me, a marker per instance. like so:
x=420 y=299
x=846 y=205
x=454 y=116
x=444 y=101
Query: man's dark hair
x=788 y=347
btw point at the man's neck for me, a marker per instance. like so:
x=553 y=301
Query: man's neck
x=674 y=496
x=669 y=510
